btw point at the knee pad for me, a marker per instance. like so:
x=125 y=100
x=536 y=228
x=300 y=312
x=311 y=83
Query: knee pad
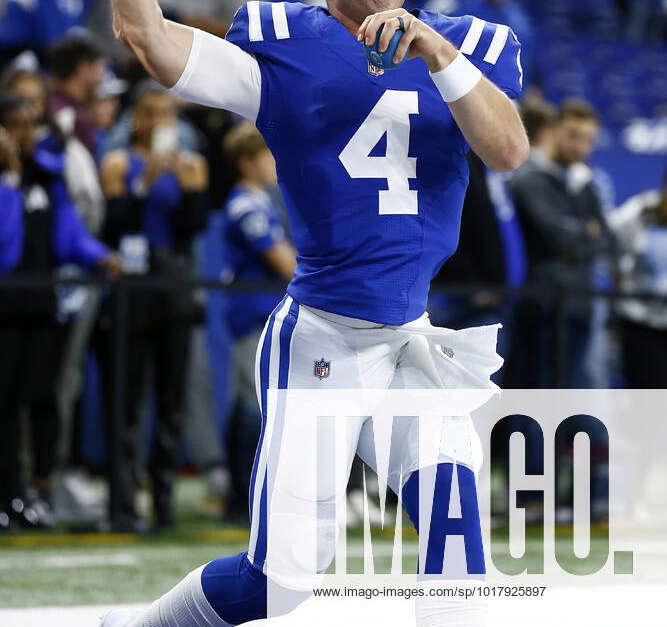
x=301 y=535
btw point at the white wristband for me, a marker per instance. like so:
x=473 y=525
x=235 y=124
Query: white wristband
x=458 y=79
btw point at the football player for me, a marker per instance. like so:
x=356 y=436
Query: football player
x=372 y=167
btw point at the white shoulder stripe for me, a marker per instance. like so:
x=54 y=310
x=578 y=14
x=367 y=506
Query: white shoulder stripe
x=474 y=35
x=280 y=20
x=518 y=58
x=254 y=22
x=497 y=44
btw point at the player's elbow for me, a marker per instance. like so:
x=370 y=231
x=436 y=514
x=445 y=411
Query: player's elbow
x=153 y=47
x=512 y=155
x=144 y=36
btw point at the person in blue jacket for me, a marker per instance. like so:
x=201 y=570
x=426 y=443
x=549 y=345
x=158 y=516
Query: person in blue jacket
x=39 y=231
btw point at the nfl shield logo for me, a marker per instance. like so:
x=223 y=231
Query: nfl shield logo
x=321 y=369
x=373 y=70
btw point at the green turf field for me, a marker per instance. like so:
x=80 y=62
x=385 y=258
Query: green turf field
x=61 y=569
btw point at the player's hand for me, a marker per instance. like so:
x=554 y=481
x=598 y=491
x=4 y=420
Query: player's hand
x=419 y=39
x=112 y=265
x=192 y=172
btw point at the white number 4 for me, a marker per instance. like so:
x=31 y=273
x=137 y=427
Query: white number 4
x=391 y=115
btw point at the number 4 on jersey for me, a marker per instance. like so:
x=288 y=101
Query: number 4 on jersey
x=390 y=116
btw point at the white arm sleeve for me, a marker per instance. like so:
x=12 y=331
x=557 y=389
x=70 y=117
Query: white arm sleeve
x=220 y=74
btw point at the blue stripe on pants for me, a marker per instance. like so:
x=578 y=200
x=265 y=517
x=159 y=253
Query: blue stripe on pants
x=264 y=378
x=285 y=338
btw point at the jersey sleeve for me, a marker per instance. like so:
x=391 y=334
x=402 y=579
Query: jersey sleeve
x=221 y=75
x=494 y=49
x=253 y=225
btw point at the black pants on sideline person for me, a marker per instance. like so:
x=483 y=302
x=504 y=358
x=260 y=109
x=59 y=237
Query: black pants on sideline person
x=159 y=326
x=31 y=358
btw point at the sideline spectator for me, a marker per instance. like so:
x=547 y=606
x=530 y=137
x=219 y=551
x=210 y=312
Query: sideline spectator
x=105 y=109
x=190 y=138
x=40 y=230
x=246 y=241
x=641 y=225
x=540 y=119
x=565 y=231
x=77 y=68
x=31 y=86
x=156 y=206
x=77 y=305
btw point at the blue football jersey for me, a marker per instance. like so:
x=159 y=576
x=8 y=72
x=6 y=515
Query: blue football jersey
x=372 y=168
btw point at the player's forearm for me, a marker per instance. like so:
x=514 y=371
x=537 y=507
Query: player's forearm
x=491 y=125
x=161 y=46
x=486 y=116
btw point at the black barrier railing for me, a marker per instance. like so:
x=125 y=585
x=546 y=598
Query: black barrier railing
x=560 y=296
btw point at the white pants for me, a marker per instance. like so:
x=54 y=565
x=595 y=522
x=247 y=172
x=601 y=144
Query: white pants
x=293 y=493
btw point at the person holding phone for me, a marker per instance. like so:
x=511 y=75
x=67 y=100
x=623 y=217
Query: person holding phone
x=156 y=205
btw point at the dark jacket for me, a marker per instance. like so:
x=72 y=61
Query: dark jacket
x=557 y=209
x=479 y=258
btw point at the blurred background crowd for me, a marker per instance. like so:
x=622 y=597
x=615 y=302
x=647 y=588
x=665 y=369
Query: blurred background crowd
x=123 y=211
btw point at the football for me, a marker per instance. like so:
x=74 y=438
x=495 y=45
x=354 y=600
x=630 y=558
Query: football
x=384 y=60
